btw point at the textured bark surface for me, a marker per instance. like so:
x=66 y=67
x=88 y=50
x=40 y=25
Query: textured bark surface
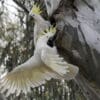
x=80 y=34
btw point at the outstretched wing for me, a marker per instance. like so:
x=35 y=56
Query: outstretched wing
x=52 y=59
x=25 y=76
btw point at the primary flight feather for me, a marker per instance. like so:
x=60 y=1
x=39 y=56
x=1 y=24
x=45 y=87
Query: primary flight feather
x=44 y=65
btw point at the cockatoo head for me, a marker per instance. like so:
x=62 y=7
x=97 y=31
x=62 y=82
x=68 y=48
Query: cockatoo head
x=36 y=12
x=45 y=35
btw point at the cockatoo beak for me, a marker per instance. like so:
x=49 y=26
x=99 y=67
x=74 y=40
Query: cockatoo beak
x=51 y=40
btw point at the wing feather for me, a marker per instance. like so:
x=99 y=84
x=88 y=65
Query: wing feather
x=52 y=59
x=22 y=79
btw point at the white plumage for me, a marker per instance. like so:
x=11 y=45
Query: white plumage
x=51 y=6
x=44 y=65
x=40 y=23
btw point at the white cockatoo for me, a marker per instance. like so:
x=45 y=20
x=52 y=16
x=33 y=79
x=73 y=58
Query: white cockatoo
x=40 y=23
x=51 y=6
x=44 y=65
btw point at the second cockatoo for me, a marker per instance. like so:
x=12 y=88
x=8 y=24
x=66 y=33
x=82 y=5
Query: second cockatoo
x=51 y=6
x=44 y=65
x=40 y=23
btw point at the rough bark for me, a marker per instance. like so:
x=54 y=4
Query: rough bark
x=79 y=23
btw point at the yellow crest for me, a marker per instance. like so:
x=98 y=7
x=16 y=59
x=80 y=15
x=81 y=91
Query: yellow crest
x=36 y=9
x=51 y=30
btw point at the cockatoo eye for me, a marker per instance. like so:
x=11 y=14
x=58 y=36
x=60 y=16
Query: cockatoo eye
x=33 y=14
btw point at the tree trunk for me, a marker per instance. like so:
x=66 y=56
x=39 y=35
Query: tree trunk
x=79 y=24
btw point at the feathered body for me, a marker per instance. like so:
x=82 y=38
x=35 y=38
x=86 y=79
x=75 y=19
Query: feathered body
x=40 y=23
x=40 y=26
x=44 y=65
